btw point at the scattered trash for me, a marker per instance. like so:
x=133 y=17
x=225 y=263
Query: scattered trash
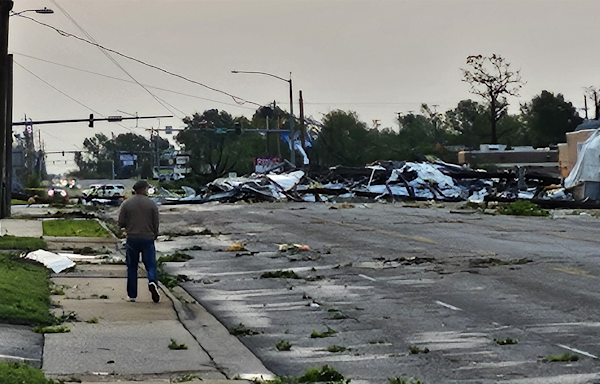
x=54 y=261
x=237 y=247
x=507 y=341
x=293 y=248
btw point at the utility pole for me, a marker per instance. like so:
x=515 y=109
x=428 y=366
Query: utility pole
x=9 y=140
x=5 y=8
x=302 y=125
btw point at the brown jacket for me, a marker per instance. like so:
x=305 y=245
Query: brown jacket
x=139 y=217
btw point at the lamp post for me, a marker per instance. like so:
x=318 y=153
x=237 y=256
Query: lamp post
x=43 y=10
x=293 y=150
x=6 y=93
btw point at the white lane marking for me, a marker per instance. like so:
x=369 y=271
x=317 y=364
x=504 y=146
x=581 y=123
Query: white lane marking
x=366 y=277
x=452 y=307
x=578 y=351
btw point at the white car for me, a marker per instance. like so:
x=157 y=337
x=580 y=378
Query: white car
x=104 y=191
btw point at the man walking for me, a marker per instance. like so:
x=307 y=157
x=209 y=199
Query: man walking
x=139 y=217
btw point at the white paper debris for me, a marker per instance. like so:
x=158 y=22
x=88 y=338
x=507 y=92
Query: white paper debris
x=53 y=261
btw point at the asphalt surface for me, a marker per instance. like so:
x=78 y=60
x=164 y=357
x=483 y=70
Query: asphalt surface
x=387 y=277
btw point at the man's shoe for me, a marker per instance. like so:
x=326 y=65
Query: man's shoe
x=154 y=291
x=132 y=299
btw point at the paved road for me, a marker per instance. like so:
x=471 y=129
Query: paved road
x=387 y=277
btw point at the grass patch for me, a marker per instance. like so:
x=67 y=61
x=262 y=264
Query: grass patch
x=193 y=248
x=52 y=329
x=169 y=281
x=283 y=345
x=66 y=316
x=564 y=358
x=319 y=335
x=403 y=380
x=336 y=348
x=338 y=316
x=22 y=373
x=325 y=374
x=93 y=320
x=242 y=330
x=177 y=257
x=280 y=275
x=58 y=290
x=507 y=341
x=22 y=243
x=176 y=346
x=415 y=350
x=25 y=288
x=74 y=228
x=18 y=202
x=523 y=208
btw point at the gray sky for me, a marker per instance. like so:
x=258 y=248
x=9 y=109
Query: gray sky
x=375 y=57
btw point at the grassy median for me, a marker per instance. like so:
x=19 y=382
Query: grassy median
x=22 y=373
x=22 y=243
x=71 y=228
x=25 y=288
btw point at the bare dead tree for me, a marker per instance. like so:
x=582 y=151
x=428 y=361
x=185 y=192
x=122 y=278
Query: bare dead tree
x=492 y=79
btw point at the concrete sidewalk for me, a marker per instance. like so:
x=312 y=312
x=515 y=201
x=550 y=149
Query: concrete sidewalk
x=130 y=340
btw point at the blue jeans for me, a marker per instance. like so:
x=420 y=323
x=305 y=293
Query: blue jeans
x=135 y=246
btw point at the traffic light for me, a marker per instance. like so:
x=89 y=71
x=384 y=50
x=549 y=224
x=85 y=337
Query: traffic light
x=238 y=128
x=91 y=124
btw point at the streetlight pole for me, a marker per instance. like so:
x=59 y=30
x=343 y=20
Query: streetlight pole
x=6 y=94
x=291 y=120
x=5 y=126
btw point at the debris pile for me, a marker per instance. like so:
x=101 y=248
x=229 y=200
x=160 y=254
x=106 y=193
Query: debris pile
x=389 y=180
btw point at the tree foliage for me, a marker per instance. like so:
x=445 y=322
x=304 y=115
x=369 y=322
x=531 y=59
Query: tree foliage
x=549 y=118
x=215 y=149
x=492 y=79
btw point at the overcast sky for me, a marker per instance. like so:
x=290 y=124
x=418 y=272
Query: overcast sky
x=375 y=57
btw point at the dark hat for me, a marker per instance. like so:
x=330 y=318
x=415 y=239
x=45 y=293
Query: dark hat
x=141 y=184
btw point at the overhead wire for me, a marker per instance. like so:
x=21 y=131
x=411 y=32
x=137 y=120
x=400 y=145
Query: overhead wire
x=64 y=94
x=91 y=38
x=130 y=82
x=236 y=99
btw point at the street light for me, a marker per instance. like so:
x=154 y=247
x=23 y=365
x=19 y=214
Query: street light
x=293 y=150
x=43 y=10
x=6 y=93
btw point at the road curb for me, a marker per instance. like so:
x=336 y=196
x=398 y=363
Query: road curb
x=232 y=357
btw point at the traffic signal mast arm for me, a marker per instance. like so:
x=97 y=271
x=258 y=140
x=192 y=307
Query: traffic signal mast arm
x=90 y=120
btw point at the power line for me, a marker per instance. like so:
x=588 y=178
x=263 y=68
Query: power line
x=56 y=89
x=131 y=82
x=64 y=94
x=91 y=38
x=237 y=99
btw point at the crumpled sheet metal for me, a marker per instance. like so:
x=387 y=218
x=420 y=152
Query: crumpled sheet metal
x=54 y=261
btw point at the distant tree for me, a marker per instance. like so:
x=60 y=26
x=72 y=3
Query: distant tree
x=215 y=149
x=467 y=124
x=345 y=140
x=416 y=131
x=492 y=79
x=548 y=118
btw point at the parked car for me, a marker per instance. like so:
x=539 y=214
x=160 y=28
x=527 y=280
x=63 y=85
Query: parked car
x=105 y=191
